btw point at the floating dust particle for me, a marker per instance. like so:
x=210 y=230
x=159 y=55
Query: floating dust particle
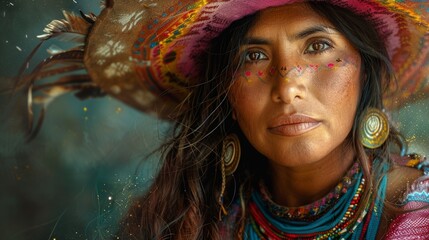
x=19 y=49
x=411 y=139
x=118 y=110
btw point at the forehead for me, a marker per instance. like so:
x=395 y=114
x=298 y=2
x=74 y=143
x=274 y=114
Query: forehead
x=291 y=17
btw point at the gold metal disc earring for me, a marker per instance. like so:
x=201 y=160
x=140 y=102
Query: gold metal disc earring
x=374 y=128
x=231 y=152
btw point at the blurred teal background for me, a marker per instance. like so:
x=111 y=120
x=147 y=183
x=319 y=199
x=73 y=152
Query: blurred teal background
x=75 y=179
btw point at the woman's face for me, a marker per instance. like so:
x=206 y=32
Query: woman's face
x=295 y=96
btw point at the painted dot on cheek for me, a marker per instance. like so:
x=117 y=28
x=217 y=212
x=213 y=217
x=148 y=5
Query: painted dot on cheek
x=330 y=65
x=314 y=68
x=260 y=73
x=247 y=75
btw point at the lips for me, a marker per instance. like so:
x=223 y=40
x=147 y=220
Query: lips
x=292 y=125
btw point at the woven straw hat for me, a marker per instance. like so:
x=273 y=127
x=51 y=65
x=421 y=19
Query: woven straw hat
x=145 y=52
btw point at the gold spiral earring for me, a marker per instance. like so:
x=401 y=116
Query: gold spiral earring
x=374 y=129
x=231 y=152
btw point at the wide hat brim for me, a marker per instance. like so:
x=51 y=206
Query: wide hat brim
x=146 y=53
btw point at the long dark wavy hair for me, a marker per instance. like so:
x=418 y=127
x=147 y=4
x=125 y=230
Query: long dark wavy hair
x=182 y=202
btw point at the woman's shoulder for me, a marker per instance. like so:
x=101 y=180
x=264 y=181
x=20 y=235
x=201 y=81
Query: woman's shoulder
x=227 y=225
x=418 y=190
x=408 y=187
x=401 y=178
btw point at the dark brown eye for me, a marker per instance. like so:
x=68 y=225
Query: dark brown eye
x=318 y=47
x=255 y=56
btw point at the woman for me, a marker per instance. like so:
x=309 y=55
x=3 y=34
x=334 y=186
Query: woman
x=281 y=132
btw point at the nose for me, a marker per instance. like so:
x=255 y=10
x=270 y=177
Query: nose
x=288 y=85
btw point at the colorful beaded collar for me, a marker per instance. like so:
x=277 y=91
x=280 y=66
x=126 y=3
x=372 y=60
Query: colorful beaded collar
x=311 y=211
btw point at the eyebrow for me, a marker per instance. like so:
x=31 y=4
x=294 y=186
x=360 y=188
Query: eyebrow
x=300 y=35
x=255 y=41
x=312 y=30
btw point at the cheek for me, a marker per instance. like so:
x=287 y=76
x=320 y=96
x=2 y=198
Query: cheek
x=339 y=93
x=340 y=87
x=235 y=97
x=244 y=97
x=247 y=100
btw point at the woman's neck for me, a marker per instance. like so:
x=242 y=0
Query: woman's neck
x=302 y=185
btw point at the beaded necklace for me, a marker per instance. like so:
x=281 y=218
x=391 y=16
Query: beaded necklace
x=338 y=222
x=314 y=210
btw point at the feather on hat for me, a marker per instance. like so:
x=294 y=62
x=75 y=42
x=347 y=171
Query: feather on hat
x=145 y=52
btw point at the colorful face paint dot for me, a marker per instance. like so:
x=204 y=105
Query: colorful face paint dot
x=314 y=67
